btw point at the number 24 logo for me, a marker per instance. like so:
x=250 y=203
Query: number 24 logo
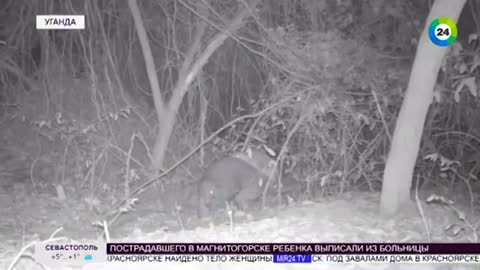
x=443 y=32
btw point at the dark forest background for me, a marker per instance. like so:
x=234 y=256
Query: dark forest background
x=78 y=119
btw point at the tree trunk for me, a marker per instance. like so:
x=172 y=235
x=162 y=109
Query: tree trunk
x=397 y=178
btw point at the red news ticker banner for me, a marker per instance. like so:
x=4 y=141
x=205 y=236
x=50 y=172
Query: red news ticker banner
x=291 y=248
